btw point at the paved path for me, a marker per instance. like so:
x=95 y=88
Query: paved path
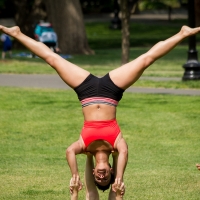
x=55 y=82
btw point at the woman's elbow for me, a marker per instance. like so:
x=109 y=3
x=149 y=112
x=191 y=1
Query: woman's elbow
x=124 y=152
x=69 y=151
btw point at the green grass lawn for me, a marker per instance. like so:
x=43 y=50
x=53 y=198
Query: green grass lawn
x=36 y=126
x=100 y=36
x=106 y=60
x=103 y=61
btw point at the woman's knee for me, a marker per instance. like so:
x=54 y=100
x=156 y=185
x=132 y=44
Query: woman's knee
x=51 y=60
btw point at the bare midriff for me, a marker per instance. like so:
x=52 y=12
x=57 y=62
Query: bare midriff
x=99 y=112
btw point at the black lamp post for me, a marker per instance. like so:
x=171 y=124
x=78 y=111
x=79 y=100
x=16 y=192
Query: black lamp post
x=192 y=67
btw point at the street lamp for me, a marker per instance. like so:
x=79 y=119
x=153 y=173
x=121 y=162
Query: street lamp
x=192 y=67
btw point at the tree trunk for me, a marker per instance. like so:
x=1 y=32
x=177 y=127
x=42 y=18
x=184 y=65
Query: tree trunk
x=27 y=15
x=38 y=12
x=125 y=18
x=67 y=20
x=22 y=17
x=197 y=12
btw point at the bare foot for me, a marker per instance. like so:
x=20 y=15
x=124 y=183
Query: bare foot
x=187 y=31
x=13 y=31
x=198 y=166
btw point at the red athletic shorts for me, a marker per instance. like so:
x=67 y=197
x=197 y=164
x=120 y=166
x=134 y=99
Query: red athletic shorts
x=100 y=130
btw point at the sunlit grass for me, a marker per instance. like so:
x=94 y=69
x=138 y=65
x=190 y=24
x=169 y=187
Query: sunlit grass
x=36 y=126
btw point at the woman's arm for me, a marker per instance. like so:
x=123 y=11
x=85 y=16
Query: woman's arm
x=122 y=158
x=91 y=190
x=116 y=194
x=119 y=166
x=71 y=152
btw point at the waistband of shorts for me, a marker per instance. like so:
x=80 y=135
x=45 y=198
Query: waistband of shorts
x=100 y=123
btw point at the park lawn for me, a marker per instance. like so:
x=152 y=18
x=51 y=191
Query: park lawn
x=106 y=60
x=103 y=61
x=142 y=33
x=37 y=125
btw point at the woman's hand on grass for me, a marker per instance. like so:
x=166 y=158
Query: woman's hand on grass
x=75 y=184
x=118 y=187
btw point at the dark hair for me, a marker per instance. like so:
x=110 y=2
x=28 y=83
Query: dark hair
x=105 y=187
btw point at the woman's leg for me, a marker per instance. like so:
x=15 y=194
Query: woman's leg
x=129 y=73
x=70 y=73
x=91 y=190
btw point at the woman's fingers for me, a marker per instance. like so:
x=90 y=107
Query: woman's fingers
x=75 y=184
x=118 y=187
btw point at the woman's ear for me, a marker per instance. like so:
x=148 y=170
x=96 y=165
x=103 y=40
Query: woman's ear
x=111 y=170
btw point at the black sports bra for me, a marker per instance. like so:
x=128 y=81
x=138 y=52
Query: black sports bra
x=94 y=90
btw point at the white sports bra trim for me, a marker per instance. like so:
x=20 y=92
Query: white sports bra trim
x=98 y=100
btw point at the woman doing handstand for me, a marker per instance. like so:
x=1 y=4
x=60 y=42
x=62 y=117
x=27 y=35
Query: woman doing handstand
x=99 y=97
